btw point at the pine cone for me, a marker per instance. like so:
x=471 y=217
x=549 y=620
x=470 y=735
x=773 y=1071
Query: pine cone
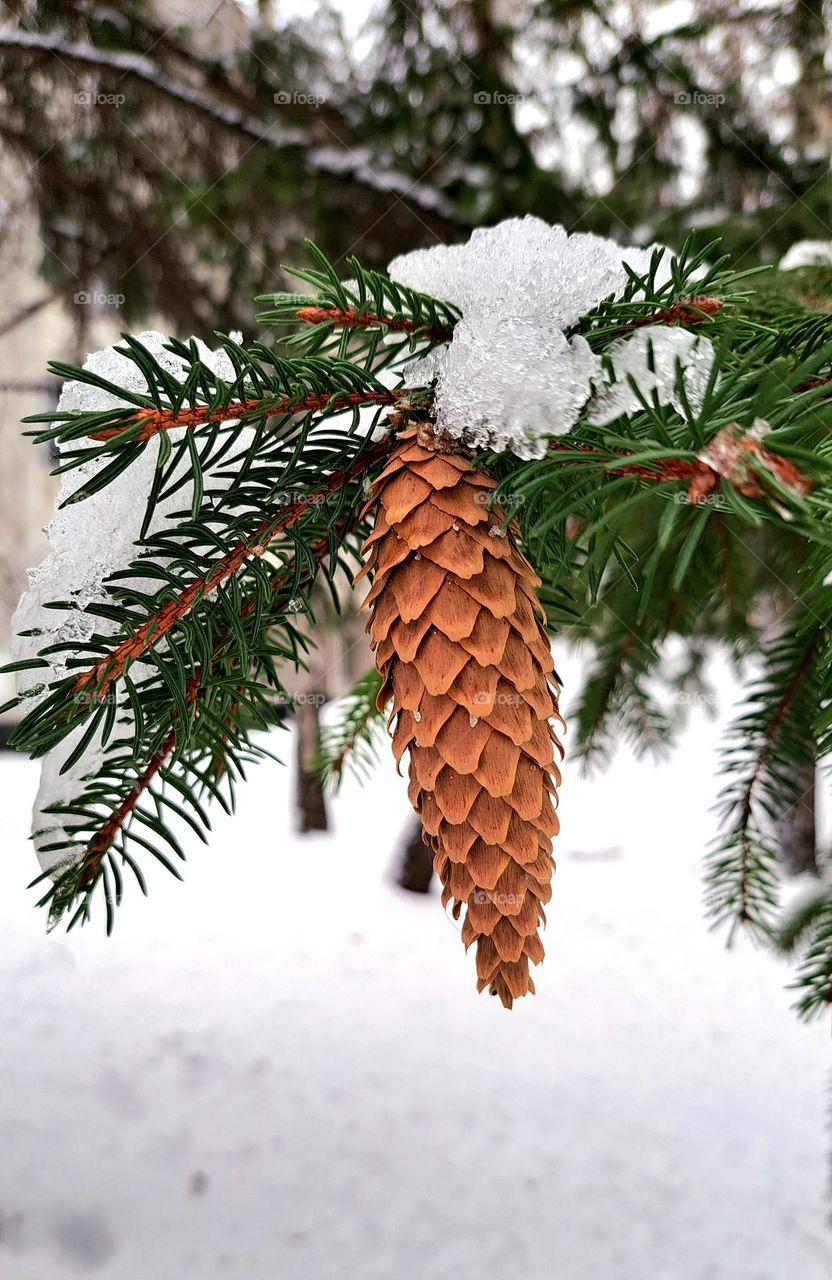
x=456 y=628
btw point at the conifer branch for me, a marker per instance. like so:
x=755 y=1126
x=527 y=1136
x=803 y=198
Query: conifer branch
x=89 y=866
x=351 y=739
x=349 y=318
x=150 y=422
x=689 y=312
x=85 y=873
x=182 y=669
x=101 y=675
x=730 y=457
x=91 y=862
x=772 y=734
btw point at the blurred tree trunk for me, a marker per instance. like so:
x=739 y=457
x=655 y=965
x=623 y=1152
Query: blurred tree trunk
x=310 y=799
x=796 y=830
x=416 y=864
x=812 y=100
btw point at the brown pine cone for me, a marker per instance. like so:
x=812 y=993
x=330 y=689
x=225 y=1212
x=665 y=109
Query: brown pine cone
x=456 y=628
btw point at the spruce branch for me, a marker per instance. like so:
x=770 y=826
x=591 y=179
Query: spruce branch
x=95 y=682
x=689 y=311
x=90 y=865
x=103 y=814
x=813 y=980
x=147 y=423
x=349 y=318
x=735 y=457
x=674 y=519
x=769 y=737
x=240 y=116
x=351 y=738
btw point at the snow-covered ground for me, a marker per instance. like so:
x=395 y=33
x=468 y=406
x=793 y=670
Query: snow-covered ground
x=281 y=1068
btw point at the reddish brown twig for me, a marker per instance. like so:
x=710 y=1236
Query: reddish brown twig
x=100 y=676
x=152 y=421
x=811 y=383
x=101 y=841
x=691 y=311
x=727 y=457
x=352 y=319
x=104 y=837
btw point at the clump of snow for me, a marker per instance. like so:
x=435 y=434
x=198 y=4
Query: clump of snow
x=646 y=366
x=91 y=540
x=510 y=376
x=807 y=253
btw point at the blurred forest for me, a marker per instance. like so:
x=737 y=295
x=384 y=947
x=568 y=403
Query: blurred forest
x=171 y=155
x=162 y=158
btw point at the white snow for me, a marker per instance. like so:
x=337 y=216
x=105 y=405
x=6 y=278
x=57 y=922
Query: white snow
x=509 y=377
x=91 y=540
x=281 y=1067
x=807 y=253
x=668 y=350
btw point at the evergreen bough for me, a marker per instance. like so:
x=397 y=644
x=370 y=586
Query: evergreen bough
x=710 y=525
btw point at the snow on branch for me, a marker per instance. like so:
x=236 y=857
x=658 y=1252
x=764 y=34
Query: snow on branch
x=515 y=371
x=356 y=165
x=150 y=422
x=97 y=680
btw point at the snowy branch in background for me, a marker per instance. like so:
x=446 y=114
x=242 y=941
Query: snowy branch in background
x=354 y=164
